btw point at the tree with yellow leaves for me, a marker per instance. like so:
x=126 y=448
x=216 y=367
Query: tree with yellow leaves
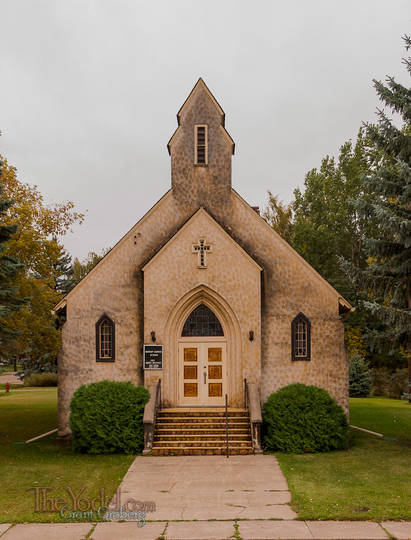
x=36 y=245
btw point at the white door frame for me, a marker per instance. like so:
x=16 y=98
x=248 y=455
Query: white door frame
x=202 y=399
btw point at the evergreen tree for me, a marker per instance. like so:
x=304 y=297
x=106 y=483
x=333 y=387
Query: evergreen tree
x=360 y=377
x=386 y=281
x=64 y=272
x=9 y=268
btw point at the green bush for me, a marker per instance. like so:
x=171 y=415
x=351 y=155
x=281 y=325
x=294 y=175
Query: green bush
x=360 y=377
x=300 y=418
x=107 y=417
x=41 y=379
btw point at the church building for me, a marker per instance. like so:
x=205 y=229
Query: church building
x=204 y=304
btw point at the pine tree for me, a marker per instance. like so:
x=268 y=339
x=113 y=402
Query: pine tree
x=360 y=377
x=9 y=268
x=386 y=281
x=64 y=273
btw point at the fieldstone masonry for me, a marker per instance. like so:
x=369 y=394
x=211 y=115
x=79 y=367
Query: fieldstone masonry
x=253 y=281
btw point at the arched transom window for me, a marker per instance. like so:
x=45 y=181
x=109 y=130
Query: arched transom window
x=301 y=338
x=202 y=322
x=105 y=340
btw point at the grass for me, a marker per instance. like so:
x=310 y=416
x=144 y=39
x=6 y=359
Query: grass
x=11 y=386
x=23 y=415
x=370 y=481
x=391 y=417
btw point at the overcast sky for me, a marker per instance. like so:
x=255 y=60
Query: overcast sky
x=89 y=90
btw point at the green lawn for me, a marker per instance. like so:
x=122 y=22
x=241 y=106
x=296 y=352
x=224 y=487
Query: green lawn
x=371 y=480
x=23 y=415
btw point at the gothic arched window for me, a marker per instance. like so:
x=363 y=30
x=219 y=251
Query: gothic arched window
x=301 y=338
x=202 y=322
x=105 y=339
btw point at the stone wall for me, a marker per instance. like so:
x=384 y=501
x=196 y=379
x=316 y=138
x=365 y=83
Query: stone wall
x=114 y=287
x=230 y=285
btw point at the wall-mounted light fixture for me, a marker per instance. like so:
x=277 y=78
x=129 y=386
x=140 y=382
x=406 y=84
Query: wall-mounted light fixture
x=153 y=336
x=251 y=335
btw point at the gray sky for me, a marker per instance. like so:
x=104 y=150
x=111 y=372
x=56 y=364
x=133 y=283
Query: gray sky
x=89 y=90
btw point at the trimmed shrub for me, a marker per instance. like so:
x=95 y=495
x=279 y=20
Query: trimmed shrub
x=41 y=379
x=360 y=377
x=300 y=418
x=107 y=417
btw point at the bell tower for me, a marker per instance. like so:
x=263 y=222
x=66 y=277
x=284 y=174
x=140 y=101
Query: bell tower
x=201 y=151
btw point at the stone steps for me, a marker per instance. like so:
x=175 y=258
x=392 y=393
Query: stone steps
x=200 y=420
x=203 y=437
x=206 y=443
x=201 y=432
x=202 y=413
x=194 y=451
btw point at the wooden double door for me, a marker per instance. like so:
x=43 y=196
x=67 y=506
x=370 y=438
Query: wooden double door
x=202 y=373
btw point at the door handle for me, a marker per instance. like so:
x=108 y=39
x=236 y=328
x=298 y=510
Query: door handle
x=205 y=377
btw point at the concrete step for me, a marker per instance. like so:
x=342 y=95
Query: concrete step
x=205 y=420
x=202 y=413
x=201 y=436
x=201 y=431
x=199 y=444
x=193 y=451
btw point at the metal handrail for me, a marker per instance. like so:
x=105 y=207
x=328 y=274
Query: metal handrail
x=157 y=404
x=246 y=405
x=226 y=425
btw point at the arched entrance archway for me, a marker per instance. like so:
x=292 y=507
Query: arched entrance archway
x=198 y=303
x=202 y=360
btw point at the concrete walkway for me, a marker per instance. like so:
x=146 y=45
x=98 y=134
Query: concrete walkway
x=209 y=487
x=206 y=498
x=11 y=378
x=210 y=530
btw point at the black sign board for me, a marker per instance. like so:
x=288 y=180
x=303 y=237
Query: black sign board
x=153 y=357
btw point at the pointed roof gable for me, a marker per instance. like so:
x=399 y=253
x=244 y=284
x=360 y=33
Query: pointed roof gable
x=199 y=212
x=201 y=85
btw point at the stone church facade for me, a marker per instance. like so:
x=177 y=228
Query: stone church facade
x=203 y=275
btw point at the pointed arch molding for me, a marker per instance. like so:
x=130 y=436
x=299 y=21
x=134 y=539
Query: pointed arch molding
x=305 y=320
x=112 y=326
x=203 y=294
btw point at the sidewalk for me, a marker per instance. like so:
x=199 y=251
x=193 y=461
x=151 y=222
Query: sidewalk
x=209 y=530
x=11 y=378
x=208 y=498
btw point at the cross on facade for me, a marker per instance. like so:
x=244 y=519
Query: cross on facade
x=201 y=249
